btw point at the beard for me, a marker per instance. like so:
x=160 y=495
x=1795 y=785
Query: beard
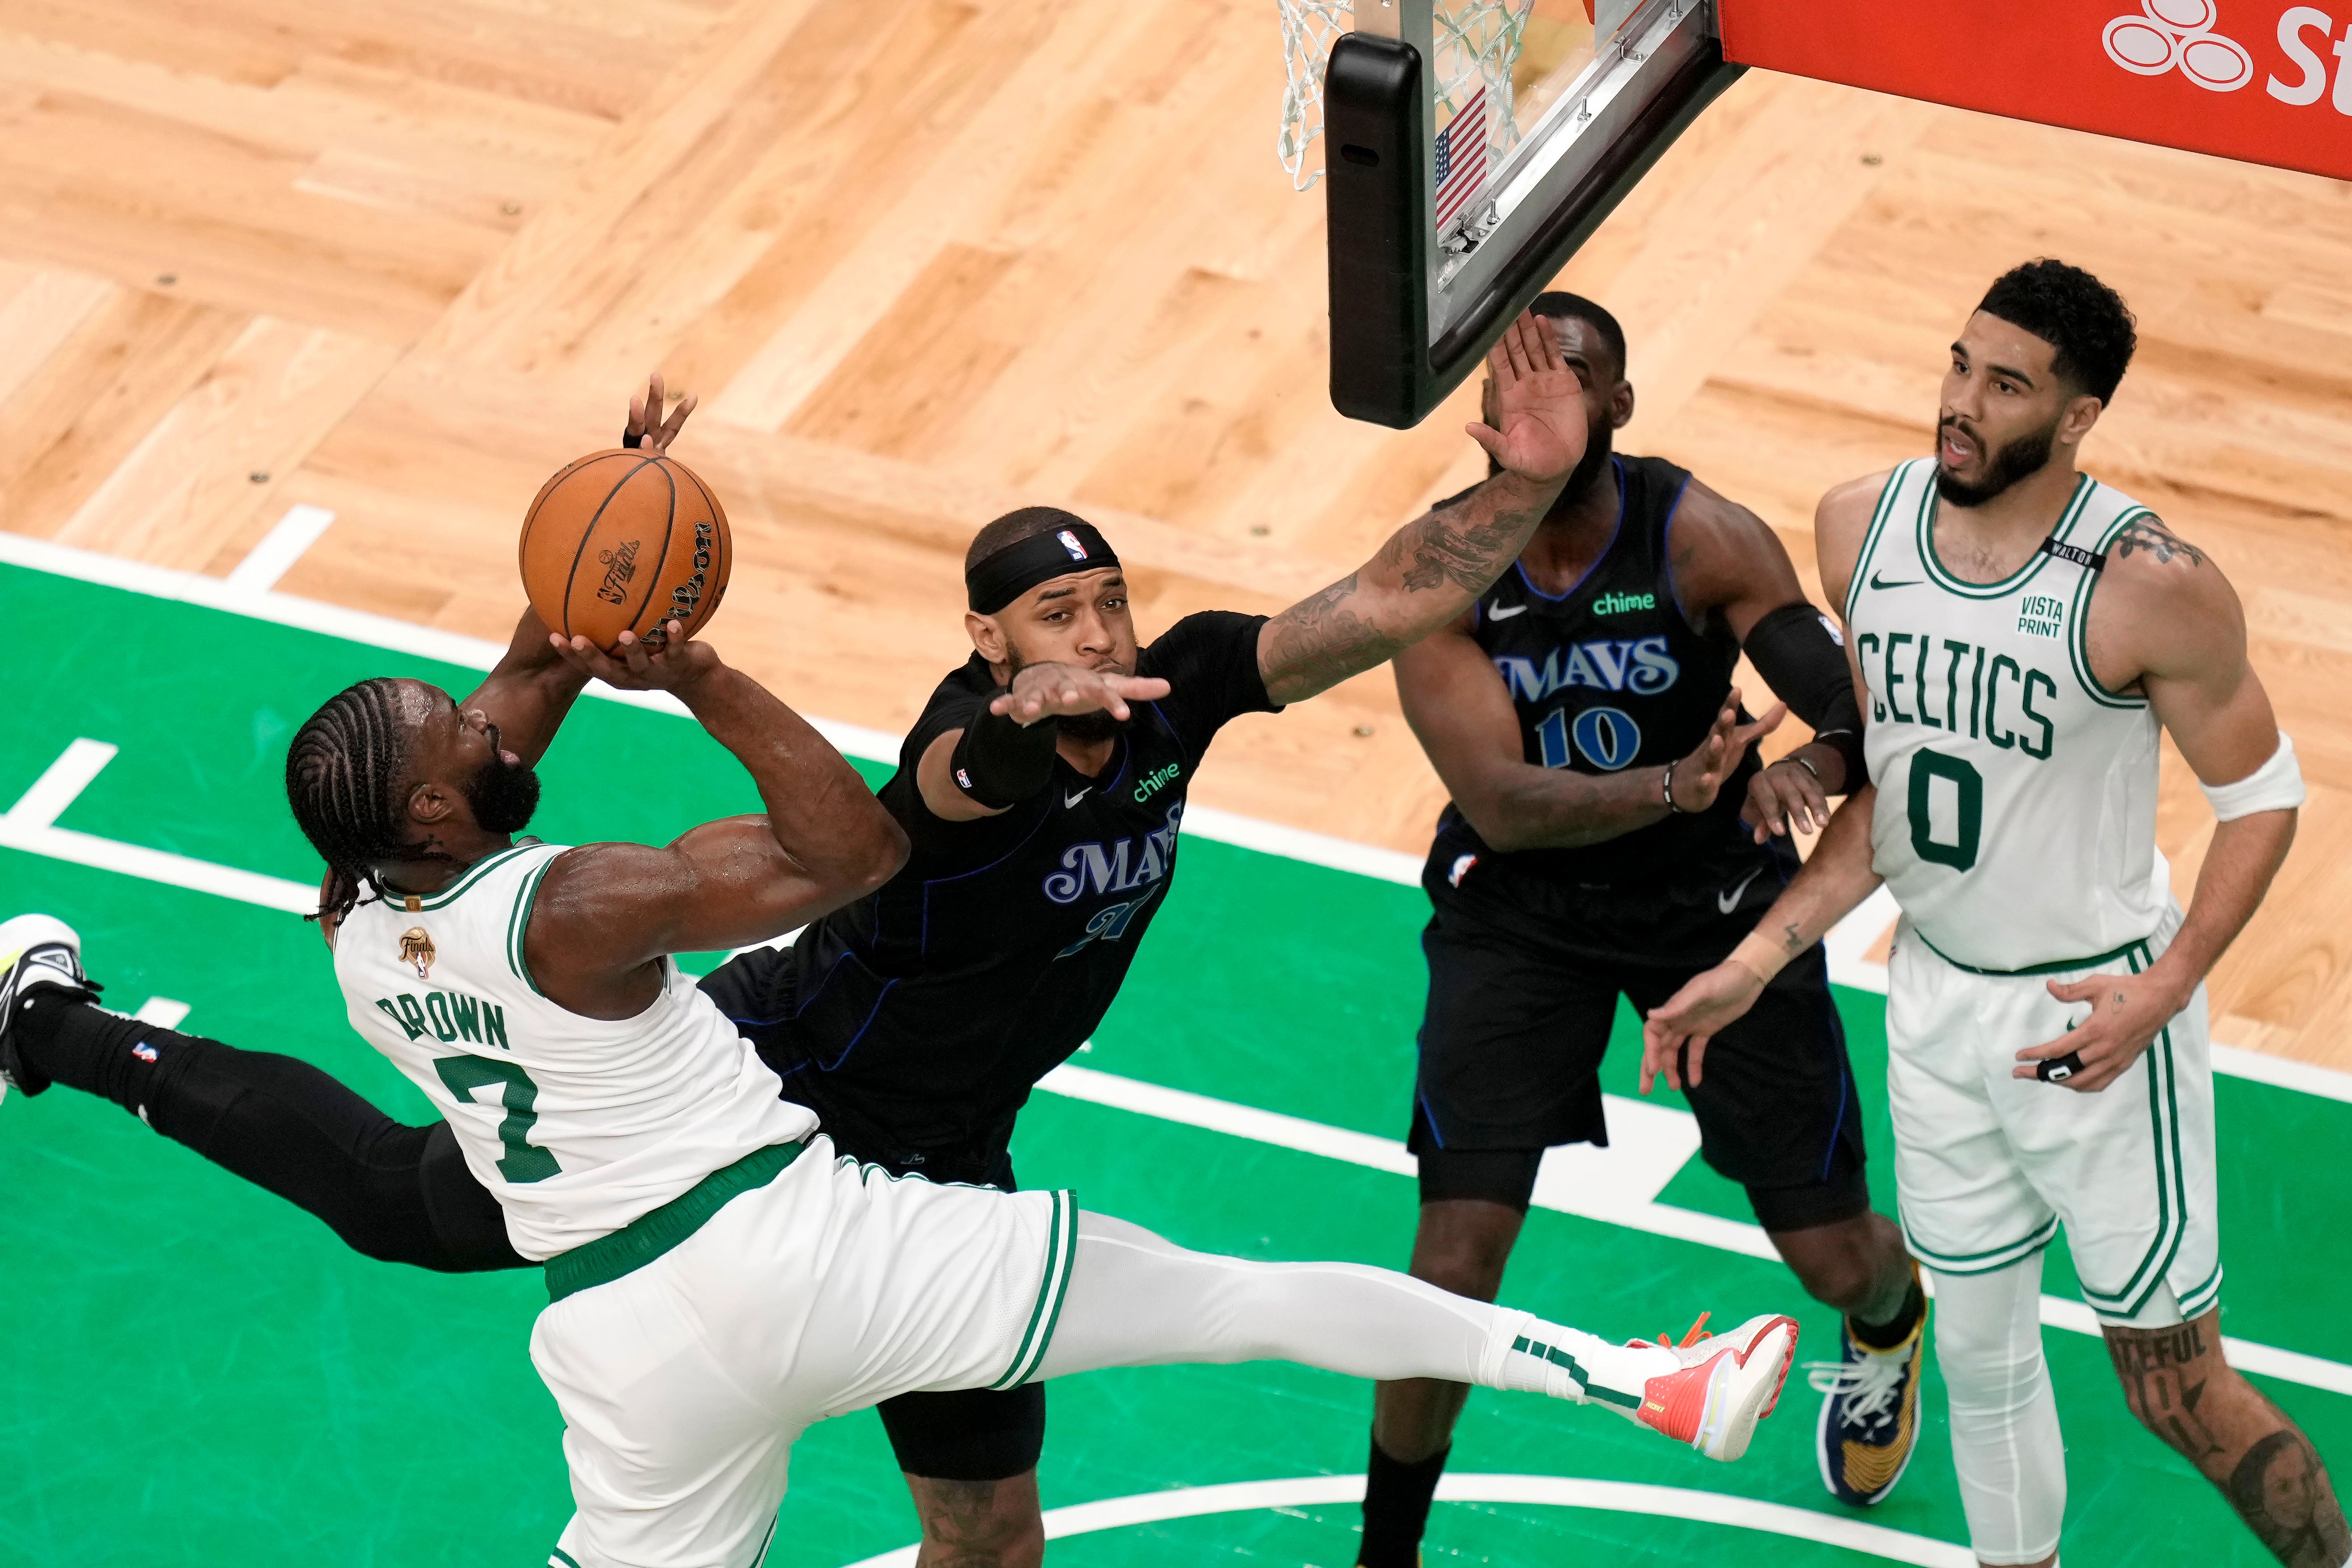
x=1087 y=729
x=2020 y=459
x=1599 y=445
x=503 y=795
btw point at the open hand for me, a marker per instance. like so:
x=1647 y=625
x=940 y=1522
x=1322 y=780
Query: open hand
x=1786 y=797
x=647 y=430
x=672 y=664
x=1042 y=691
x=1700 y=775
x=2128 y=1012
x=1541 y=427
x=1675 y=1035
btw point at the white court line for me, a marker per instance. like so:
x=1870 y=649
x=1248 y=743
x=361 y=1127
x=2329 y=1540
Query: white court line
x=1617 y=1186
x=1612 y=1186
x=163 y=1012
x=72 y=772
x=29 y=825
x=1558 y=1491
x=60 y=783
x=1846 y=944
x=282 y=546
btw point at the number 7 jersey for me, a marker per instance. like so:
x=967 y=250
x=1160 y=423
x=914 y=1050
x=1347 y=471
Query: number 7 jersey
x=2016 y=816
x=576 y=1125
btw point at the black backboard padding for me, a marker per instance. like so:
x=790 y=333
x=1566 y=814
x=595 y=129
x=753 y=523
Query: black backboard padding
x=1384 y=369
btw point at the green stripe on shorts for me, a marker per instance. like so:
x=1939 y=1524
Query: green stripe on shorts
x=1061 y=1253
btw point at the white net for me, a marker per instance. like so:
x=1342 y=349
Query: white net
x=1477 y=40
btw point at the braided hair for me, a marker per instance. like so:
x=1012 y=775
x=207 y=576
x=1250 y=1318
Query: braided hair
x=343 y=778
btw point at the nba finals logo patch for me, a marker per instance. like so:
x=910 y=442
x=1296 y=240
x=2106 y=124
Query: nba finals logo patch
x=416 y=950
x=620 y=565
x=1070 y=542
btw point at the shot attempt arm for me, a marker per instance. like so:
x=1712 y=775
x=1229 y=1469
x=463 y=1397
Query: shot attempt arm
x=1430 y=570
x=1832 y=885
x=605 y=913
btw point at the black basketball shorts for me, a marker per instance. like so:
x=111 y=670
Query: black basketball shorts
x=1523 y=988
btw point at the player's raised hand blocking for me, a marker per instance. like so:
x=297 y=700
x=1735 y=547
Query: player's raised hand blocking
x=1043 y=690
x=1541 y=425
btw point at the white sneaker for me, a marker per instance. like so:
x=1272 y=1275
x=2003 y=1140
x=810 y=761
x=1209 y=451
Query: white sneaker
x=1726 y=1384
x=38 y=952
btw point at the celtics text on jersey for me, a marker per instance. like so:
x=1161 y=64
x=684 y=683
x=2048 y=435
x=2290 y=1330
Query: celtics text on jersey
x=2016 y=816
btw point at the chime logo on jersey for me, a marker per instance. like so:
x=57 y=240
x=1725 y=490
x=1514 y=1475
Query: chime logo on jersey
x=1643 y=666
x=1120 y=866
x=1071 y=543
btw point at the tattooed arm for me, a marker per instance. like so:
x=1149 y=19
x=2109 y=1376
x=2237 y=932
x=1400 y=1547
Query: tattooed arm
x=1430 y=571
x=2165 y=623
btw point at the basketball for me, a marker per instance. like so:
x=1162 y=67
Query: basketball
x=622 y=542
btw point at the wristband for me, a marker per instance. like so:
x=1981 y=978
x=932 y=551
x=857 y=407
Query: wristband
x=1666 y=788
x=2276 y=786
x=997 y=761
x=1793 y=757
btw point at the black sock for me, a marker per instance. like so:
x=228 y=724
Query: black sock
x=1396 y=1508
x=281 y=1124
x=1890 y=1335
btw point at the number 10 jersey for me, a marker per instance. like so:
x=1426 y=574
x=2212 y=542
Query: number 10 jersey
x=2016 y=816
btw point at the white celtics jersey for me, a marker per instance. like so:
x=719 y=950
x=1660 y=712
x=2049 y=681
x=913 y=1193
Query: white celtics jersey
x=576 y=1125
x=2016 y=818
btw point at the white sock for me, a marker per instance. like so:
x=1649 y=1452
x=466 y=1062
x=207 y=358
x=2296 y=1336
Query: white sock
x=1528 y=1355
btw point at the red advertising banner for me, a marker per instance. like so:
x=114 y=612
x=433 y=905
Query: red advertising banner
x=2261 y=80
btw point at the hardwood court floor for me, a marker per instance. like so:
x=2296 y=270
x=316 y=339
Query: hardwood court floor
x=928 y=260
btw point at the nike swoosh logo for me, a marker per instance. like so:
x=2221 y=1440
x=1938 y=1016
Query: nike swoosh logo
x=1070 y=800
x=1877 y=582
x=1498 y=612
x=1727 y=903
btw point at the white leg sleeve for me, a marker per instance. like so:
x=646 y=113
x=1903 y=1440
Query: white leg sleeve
x=1137 y=1301
x=2005 y=1441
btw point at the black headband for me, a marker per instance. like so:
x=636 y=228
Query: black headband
x=995 y=581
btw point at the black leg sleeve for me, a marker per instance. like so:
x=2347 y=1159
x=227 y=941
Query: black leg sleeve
x=392 y=1192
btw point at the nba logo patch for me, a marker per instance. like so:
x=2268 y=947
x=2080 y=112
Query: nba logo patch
x=1070 y=542
x=1461 y=864
x=144 y=1051
x=963 y=778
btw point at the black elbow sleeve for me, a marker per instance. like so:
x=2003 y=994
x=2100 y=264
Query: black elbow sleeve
x=998 y=763
x=1800 y=656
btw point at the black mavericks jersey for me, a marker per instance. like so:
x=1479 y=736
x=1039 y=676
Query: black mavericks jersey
x=916 y=1021
x=1605 y=677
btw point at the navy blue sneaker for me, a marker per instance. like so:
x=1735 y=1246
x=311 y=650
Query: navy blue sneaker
x=1870 y=1413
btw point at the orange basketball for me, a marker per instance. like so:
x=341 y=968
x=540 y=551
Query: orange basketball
x=622 y=542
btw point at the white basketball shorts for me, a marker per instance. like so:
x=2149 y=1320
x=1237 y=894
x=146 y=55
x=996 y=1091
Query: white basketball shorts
x=684 y=1375
x=1988 y=1166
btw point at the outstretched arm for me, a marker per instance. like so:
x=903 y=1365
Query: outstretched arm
x=1430 y=570
x=1833 y=883
x=606 y=912
x=2164 y=617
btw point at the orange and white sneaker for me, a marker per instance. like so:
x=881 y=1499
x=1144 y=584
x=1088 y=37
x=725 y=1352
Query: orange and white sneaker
x=1726 y=1384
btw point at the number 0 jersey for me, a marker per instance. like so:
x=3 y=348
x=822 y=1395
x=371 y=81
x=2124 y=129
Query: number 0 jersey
x=576 y=1125
x=2016 y=817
